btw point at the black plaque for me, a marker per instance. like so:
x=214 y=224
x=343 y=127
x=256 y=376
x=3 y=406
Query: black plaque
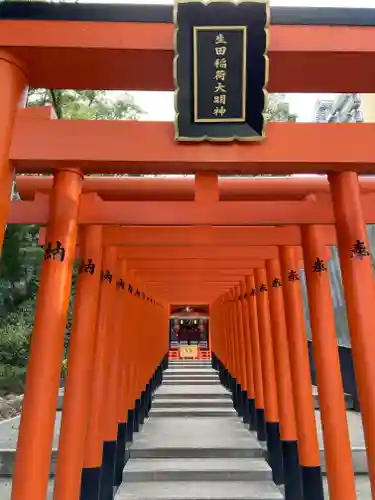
x=221 y=69
x=220 y=74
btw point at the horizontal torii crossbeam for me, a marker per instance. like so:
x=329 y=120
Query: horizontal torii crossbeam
x=93 y=210
x=103 y=146
x=198 y=242
x=197 y=245
x=104 y=52
x=185 y=188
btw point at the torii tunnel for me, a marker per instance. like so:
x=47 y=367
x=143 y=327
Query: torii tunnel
x=146 y=244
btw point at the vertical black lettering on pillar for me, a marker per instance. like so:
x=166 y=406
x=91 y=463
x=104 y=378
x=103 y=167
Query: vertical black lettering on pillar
x=56 y=252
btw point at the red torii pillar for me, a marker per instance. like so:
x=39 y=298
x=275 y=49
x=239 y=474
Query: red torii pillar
x=12 y=84
x=359 y=290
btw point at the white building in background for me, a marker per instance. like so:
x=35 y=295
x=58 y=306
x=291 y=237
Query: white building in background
x=368 y=107
x=344 y=108
x=322 y=110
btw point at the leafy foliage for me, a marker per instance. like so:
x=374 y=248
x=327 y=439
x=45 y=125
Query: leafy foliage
x=14 y=349
x=86 y=104
x=22 y=257
x=19 y=270
x=278 y=109
x=19 y=281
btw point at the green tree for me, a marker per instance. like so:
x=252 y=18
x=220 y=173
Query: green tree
x=278 y=109
x=19 y=280
x=21 y=259
x=19 y=268
x=86 y=104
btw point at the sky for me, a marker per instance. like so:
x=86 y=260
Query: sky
x=159 y=106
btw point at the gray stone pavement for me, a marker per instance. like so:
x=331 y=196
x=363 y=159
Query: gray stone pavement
x=356 y=439
x=195 y=437
x=355 y=428
x=5 y=489
x=199 y=490
x=9 y=432
x=362 y=487
x=192 y=391
x=166 y=430
x=192 y=457
x=348 y=399
x=192 y=402
x=8 y=443
x=197 y=469
x=185 y=412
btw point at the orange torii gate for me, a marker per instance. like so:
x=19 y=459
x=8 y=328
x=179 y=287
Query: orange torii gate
x=184 y=188
x=209 y=259
x=257 y=306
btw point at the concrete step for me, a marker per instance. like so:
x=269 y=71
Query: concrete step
x=188 y=366
x=194 y=378
x=8 y=443
x=348 y=399
x=193 y=362
x=203 y=391
x=362 y=484
x=192 y=412
x=202 y=490
x=359 y=458
x=6 y=486
x=357 y=441
x=208 y=452
x=178 y=437
x=8 y=457
x=192 y=403
x=208 y=374
x=180 y=395
x=190 y=371
x=190 y=361
x=197 y=469
x=192 y=381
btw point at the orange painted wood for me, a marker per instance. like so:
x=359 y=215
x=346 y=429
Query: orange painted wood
x=238 y=213
x=104 y=52
x=106 y=146
x=12 y=85
x=143 y=255
x=182 y=188
x=198 y=239
x=187 y=264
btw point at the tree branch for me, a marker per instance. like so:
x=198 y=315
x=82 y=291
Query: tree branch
x=56 y=104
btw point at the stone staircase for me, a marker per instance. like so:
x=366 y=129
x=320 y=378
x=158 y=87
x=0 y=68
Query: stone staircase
x=181 y=454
